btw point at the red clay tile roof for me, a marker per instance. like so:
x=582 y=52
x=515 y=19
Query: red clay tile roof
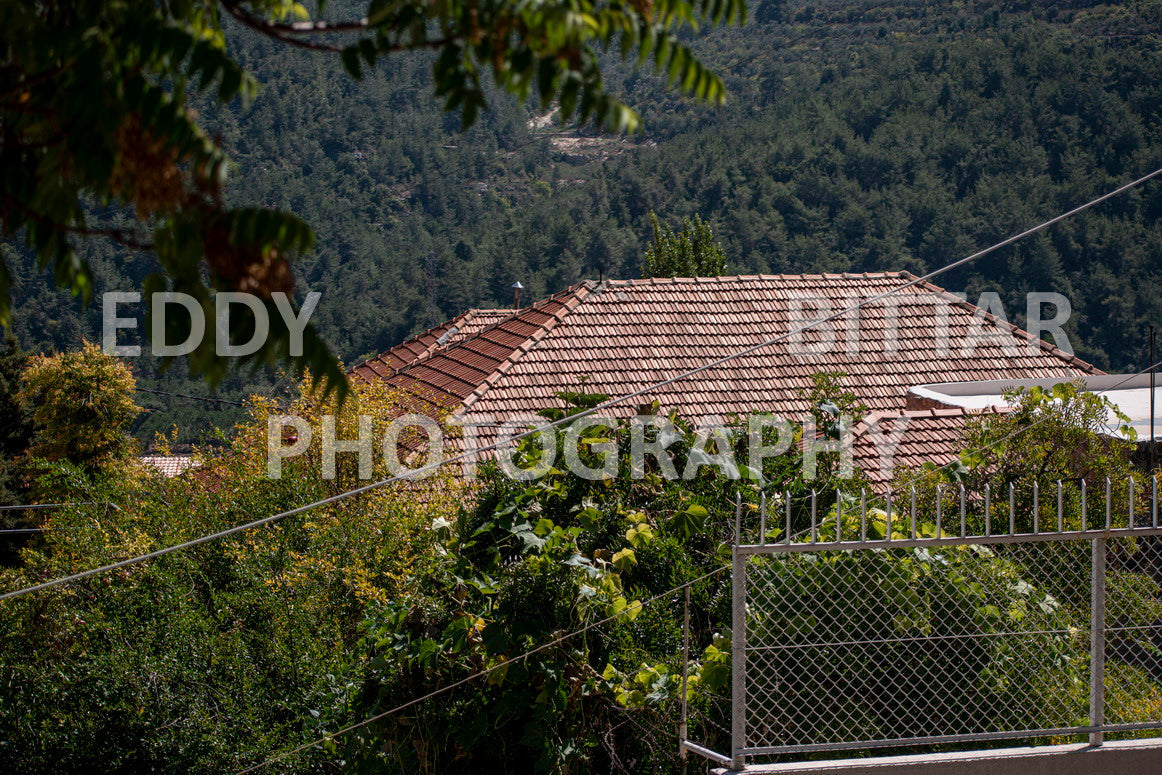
x=170 y=465
x=459 y=328
x=446 y=373
x=618 y=336
x=925 y=435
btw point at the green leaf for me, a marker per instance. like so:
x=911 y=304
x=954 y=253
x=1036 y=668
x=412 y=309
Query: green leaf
x=589 y=518
x=625 y=559
x=524 y=531
x=639 y=535
x=688 y=522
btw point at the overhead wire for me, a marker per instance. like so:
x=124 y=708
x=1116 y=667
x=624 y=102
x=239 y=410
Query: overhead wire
x=187 y=395
x=432 y=466
x=35 y=506
x=480 y=673
x=571 y=418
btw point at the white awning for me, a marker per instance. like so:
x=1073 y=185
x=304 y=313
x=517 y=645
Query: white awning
x=1130 y=393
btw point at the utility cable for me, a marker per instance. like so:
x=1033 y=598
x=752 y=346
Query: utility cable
x=423 y=470
x=187 y=395
x=467 y=679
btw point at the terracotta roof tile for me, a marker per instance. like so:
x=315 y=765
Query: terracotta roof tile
x=460 y=328
x=919 y=435
x=620 y=336
x=170 y=465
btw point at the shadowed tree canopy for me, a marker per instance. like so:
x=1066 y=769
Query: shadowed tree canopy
x=15 y=422
x=97 y=136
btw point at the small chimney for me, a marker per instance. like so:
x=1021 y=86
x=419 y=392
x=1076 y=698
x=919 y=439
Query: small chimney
x=516 y=289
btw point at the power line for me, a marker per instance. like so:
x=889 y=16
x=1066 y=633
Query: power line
x=33 y=530
x=417 y=473
x=187 y=395
x=644 y=603
x=478 y=674
x=33 y=506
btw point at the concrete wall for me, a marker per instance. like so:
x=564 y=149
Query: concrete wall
x=1130 y=757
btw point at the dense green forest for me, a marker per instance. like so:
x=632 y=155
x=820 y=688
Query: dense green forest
x=858 y=136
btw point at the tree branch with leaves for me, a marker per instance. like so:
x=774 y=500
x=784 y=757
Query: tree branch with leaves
x=95 y=119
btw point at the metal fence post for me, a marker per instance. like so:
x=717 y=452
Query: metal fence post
x=1097 y=641
x=769 y=730
x=684 y=728
x=737 y=652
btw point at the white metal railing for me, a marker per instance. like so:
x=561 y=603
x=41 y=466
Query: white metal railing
x=958 y=618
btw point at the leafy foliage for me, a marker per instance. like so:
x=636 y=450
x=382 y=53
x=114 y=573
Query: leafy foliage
x=1061 y=432
x=96 y=99
x=534 y=560
x=1057 y=434
x=206 y=660
x=691 y=252
x=551 y=49
x=15 y=423
x=81 y=405
x=95 y=106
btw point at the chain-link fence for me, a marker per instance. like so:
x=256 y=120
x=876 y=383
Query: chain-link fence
x=873 y=631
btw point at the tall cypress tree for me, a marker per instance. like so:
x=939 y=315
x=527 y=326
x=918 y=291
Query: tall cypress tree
x=692 y=251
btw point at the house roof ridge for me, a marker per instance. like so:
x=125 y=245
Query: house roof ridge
x=519 y=311
x=425 y=357
x=447 y=325
x=573 y=297
x=456 y=322
x=470 y=314
x=734 y=278
x=932 y=413
x=463 y=317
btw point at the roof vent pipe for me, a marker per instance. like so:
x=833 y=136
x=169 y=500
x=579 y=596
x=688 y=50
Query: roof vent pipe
x=516 y=289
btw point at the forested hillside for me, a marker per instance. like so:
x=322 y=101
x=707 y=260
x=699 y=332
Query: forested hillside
x=858 y=136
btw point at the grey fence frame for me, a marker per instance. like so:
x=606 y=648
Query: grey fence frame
x=1097 y=536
